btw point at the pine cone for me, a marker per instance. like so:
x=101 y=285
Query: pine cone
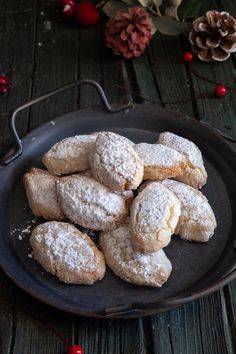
x=213 y=36
x=129 y=33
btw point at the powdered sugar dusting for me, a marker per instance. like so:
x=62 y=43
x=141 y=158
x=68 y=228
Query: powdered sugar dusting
x=184 y=146
x=157 y=154
x=134 y=266
x=89 y=203
x=197 y=221
x=115 y=162
x=66 y=245
x=151 y=208
x=72 y=146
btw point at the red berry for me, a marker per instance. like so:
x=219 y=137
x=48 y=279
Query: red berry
x=188 y=57
x=220 y=90
x=4 y=90
x=86 y=13
x=75 y=349
x=4 y=81
x=68 y=8
x=4 y=85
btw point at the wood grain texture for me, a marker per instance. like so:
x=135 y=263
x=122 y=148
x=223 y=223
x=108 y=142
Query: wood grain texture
x=38 y=328
x=198 y=327
x=7 y=299
x=56 y=50
x=110 y=337
x=17 y=35
x=165 y=55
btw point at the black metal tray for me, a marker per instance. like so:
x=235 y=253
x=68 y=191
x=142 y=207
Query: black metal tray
x=198 y=269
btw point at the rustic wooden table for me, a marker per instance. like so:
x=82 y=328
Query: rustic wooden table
x=40 y=52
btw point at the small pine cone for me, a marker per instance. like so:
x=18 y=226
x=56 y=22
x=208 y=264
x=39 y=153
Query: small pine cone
x=213 y=37
x=129 y=33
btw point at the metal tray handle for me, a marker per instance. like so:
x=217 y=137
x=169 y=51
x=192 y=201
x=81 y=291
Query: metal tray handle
x=47 y=95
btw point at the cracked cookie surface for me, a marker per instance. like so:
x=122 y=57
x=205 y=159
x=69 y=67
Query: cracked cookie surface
x=40 y=188
x=64 y=251
x=154 y=215
x=160 y=162
x=195 y=174
x=69 y=155
x=115 y=163
x=151 y=269
x=88 y=203
x=197 y=220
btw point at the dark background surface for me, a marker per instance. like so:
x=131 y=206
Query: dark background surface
x=40 y=52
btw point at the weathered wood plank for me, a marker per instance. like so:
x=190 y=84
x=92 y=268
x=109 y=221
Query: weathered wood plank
x=7 y=298
x=38 y=328
x=90 y=65
x=55 y=64
x=56 y=50
x=198 y=327
x=110 y=337
x=17 y=24
x=144 y=85
x=170 y=73
x=98 y=63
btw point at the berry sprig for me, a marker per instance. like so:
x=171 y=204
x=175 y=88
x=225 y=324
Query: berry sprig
x=220 y=89
x=85 y=13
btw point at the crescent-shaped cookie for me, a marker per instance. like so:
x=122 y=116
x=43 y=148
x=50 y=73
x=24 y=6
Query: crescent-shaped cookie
x=151 y=269
x=40 y=188
x=195 y=174
x=197 y=220
x=160 y=162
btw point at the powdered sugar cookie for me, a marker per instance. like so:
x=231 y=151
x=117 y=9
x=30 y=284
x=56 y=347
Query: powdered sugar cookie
x=64 y=251
x=88 y=203
x=151 y=269
x=160 y=162
x=127 y=195
x=115 y=163
x=40 y=187
x=69 y=155
x=126 y=140
x=195 y=174
x=154 y=215
x=197 y=220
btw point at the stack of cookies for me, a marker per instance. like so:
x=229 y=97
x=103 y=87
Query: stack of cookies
x=91 y=181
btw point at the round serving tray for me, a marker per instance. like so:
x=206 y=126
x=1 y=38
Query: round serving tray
x=198 y=269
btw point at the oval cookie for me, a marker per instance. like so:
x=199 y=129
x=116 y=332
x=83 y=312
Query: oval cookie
x=151 y=269
x=88 y=203
x=154 y=215
x=195 y=174
x=40 y=188
x=64 y=251
x=115 y=163
x=160 y=162
x=197 y=221
x=69 y=155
